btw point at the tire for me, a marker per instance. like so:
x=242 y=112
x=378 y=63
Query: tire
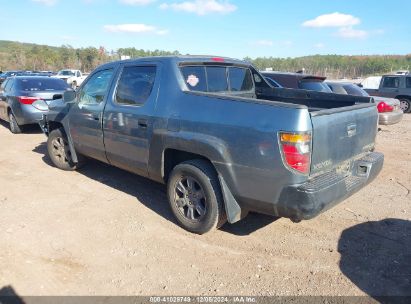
x=195 y=196
x=59 y=151
x=405 y=105
x=14 y=126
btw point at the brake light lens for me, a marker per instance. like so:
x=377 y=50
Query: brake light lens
x=296 y=151
x=27 y=100
x=383 y=107
x=218 y=59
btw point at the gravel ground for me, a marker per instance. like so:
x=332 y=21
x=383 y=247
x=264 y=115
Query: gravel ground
x=103 y=231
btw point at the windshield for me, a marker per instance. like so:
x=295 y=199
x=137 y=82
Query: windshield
x=313 y=85
x=355 y=90
x=66 y=73
x=41 y=84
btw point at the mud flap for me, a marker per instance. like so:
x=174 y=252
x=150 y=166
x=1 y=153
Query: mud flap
x=233 y=210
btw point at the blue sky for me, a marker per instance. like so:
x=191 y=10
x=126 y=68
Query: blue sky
x=235 y=28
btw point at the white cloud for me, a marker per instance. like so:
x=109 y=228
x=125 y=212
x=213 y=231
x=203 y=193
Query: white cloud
x=351 y=33
x=264 y=43
x=333 y=20
x=202 y=7
x=135 y=28
x=270 y=43
x=137 y=2
x=46 y=2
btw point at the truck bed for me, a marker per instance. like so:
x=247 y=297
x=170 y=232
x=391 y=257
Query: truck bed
x=314 y=101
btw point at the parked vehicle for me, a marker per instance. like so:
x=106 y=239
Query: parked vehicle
x=299 y=81
x=395 y=86
x=74 y=78
x=7 y=74
x=24 y=99
x=214 y=131
x=372 y=82
x=389 y=110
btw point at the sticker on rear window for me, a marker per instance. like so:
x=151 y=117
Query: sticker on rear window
x=193 y=80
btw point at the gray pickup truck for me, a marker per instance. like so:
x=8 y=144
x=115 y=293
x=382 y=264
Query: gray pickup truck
x=395 y=86
x=223 y=140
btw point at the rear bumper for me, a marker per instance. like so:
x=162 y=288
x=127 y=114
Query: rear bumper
x=27 y=114
x=390 y=118
x=305 y=201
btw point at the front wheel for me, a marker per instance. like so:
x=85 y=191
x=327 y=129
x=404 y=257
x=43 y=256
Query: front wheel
x=195 y=197
x=59 y=151
x=405 y=105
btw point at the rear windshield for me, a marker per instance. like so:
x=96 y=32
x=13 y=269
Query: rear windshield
x=313 y=85
x=66 y=73
x=217 y=78
x=41 y=84
x=355 y=90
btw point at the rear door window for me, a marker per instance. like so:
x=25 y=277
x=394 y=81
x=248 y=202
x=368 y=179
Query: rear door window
x=391 y=82
x=8 y=85
x=135 y=85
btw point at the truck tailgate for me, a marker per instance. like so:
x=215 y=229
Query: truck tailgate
x=342 y=134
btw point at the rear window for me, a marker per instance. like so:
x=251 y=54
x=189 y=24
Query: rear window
x=355 y=90
x=391 y=82
x=312 y=85
x=41 y=84
x=217 y=79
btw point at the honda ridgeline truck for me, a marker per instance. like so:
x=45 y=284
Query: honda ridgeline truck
x=223 y=140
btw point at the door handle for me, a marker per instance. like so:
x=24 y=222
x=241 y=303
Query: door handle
x=142 y=123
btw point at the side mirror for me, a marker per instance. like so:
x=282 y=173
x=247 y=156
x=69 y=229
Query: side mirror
x=69 y=96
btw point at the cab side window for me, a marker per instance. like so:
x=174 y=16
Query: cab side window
x=408 y=82
x=96 y=88
x=135 y=85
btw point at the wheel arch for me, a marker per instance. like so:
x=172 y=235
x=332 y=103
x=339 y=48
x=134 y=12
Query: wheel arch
x=403 y=97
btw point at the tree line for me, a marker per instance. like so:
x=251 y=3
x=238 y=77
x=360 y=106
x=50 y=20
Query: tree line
x=337 y=66
x=26 y=56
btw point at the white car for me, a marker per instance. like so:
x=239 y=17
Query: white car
x=74 y=78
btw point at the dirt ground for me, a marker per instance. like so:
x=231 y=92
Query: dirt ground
x=103 y=231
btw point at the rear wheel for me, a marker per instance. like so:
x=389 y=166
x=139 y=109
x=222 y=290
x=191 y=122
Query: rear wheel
x=405 y=105
x=195 y=197
x=59 y=151
x=14 y=126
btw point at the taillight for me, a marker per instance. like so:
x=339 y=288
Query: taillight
x=27 y=100
x=296 y=151
x=383 y=107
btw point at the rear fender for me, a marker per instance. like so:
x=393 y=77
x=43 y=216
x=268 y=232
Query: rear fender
x=216 y=151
